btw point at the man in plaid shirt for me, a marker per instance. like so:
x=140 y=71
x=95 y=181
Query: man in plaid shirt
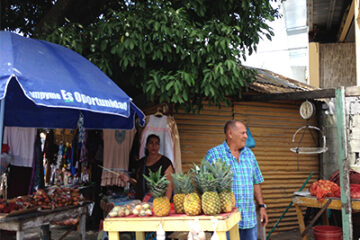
x=247 y=176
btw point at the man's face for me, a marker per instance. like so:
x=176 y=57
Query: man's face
x=238 y=135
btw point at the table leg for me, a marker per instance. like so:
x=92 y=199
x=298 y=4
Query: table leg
x=19 y=235
x=82 y=226
x=234 y=232
x=140 y=235
x=221 y=235
x=300 y=218
x=114 y=236
x=45 y=232
x=325 y=217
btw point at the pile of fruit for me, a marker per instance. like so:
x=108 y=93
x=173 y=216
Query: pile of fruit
x=141 y=209
x=326 y=188
x=43 y=199
x=8 y=206
x=64 y=197
x=205 y=189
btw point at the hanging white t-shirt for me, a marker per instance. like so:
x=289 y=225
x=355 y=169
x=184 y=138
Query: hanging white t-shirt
x=21 y=142
x=158 y=126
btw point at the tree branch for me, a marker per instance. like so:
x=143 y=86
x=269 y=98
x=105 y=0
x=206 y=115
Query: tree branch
x=54 y=17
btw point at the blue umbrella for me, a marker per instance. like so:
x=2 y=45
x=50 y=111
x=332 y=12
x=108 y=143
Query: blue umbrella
x=46 y=85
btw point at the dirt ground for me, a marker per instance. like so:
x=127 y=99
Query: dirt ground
x=58 y=231
x=290 y=235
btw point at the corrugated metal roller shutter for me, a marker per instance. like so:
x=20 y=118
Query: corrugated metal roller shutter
x=200 y=132
x=272 y=126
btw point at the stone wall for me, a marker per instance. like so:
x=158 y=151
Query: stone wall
x=337 y=65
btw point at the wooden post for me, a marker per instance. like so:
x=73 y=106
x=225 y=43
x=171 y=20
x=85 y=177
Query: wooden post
x=82 y=226
x=301 y=223
x=343 y=164
x=314 y=64
x=45 y=232
x=20 y=235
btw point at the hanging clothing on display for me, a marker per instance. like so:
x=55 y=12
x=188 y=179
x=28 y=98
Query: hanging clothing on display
x=176 y=139
x=166 y=129
x=37 y=178
x=83 y=151
x=75 y=153
x=117 y=147
x=21 y=142
x=160 y=127
x=50 y=148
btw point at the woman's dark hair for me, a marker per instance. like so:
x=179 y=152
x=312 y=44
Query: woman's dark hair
x=148 y=139
x=152 y=136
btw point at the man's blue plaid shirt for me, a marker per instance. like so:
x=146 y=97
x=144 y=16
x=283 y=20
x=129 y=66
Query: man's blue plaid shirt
x=246 y=174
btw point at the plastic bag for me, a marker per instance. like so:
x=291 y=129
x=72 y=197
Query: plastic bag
x=250 y=141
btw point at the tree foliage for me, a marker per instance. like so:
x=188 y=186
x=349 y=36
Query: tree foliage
x=179 y=51
x=22 y=15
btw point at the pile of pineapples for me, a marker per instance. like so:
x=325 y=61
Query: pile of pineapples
x=204 y=189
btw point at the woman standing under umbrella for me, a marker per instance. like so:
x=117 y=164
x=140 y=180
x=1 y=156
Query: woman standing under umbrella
x=152 y=161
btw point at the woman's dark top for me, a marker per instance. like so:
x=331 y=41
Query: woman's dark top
x=141 y=185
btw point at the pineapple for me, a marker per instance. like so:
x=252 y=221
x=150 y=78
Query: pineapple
x=192 y=201
x=158 y=185
x=210 y=201
x=178 y=199
x=224 y=175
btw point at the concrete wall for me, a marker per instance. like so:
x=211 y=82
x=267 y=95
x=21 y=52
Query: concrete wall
x=327 y=119
x=353 y=107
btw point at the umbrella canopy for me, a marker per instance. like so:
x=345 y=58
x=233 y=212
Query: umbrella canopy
x=47 y=85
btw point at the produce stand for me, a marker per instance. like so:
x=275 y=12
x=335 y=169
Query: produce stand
x=173 y=223
x=29 y=219
x=311 y=201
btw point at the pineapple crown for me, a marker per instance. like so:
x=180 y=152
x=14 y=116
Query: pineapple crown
x=194 y=173
x=157 y=183
x=223 y=173
x=178 y=181
x=188 y=186
x=205 y=179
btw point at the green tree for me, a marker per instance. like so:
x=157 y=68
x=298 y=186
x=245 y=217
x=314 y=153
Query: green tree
x=179 y=51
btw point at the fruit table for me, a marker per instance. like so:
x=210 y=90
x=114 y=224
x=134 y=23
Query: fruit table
x=173 y=223
x=311 y=201
x=32 y=218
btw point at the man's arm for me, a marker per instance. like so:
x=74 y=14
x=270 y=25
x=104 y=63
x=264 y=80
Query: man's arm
x=260 y=200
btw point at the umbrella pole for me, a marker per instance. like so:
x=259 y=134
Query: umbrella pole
x=2 y=113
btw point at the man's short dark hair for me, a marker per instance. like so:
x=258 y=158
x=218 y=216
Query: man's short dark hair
x=230 y=123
